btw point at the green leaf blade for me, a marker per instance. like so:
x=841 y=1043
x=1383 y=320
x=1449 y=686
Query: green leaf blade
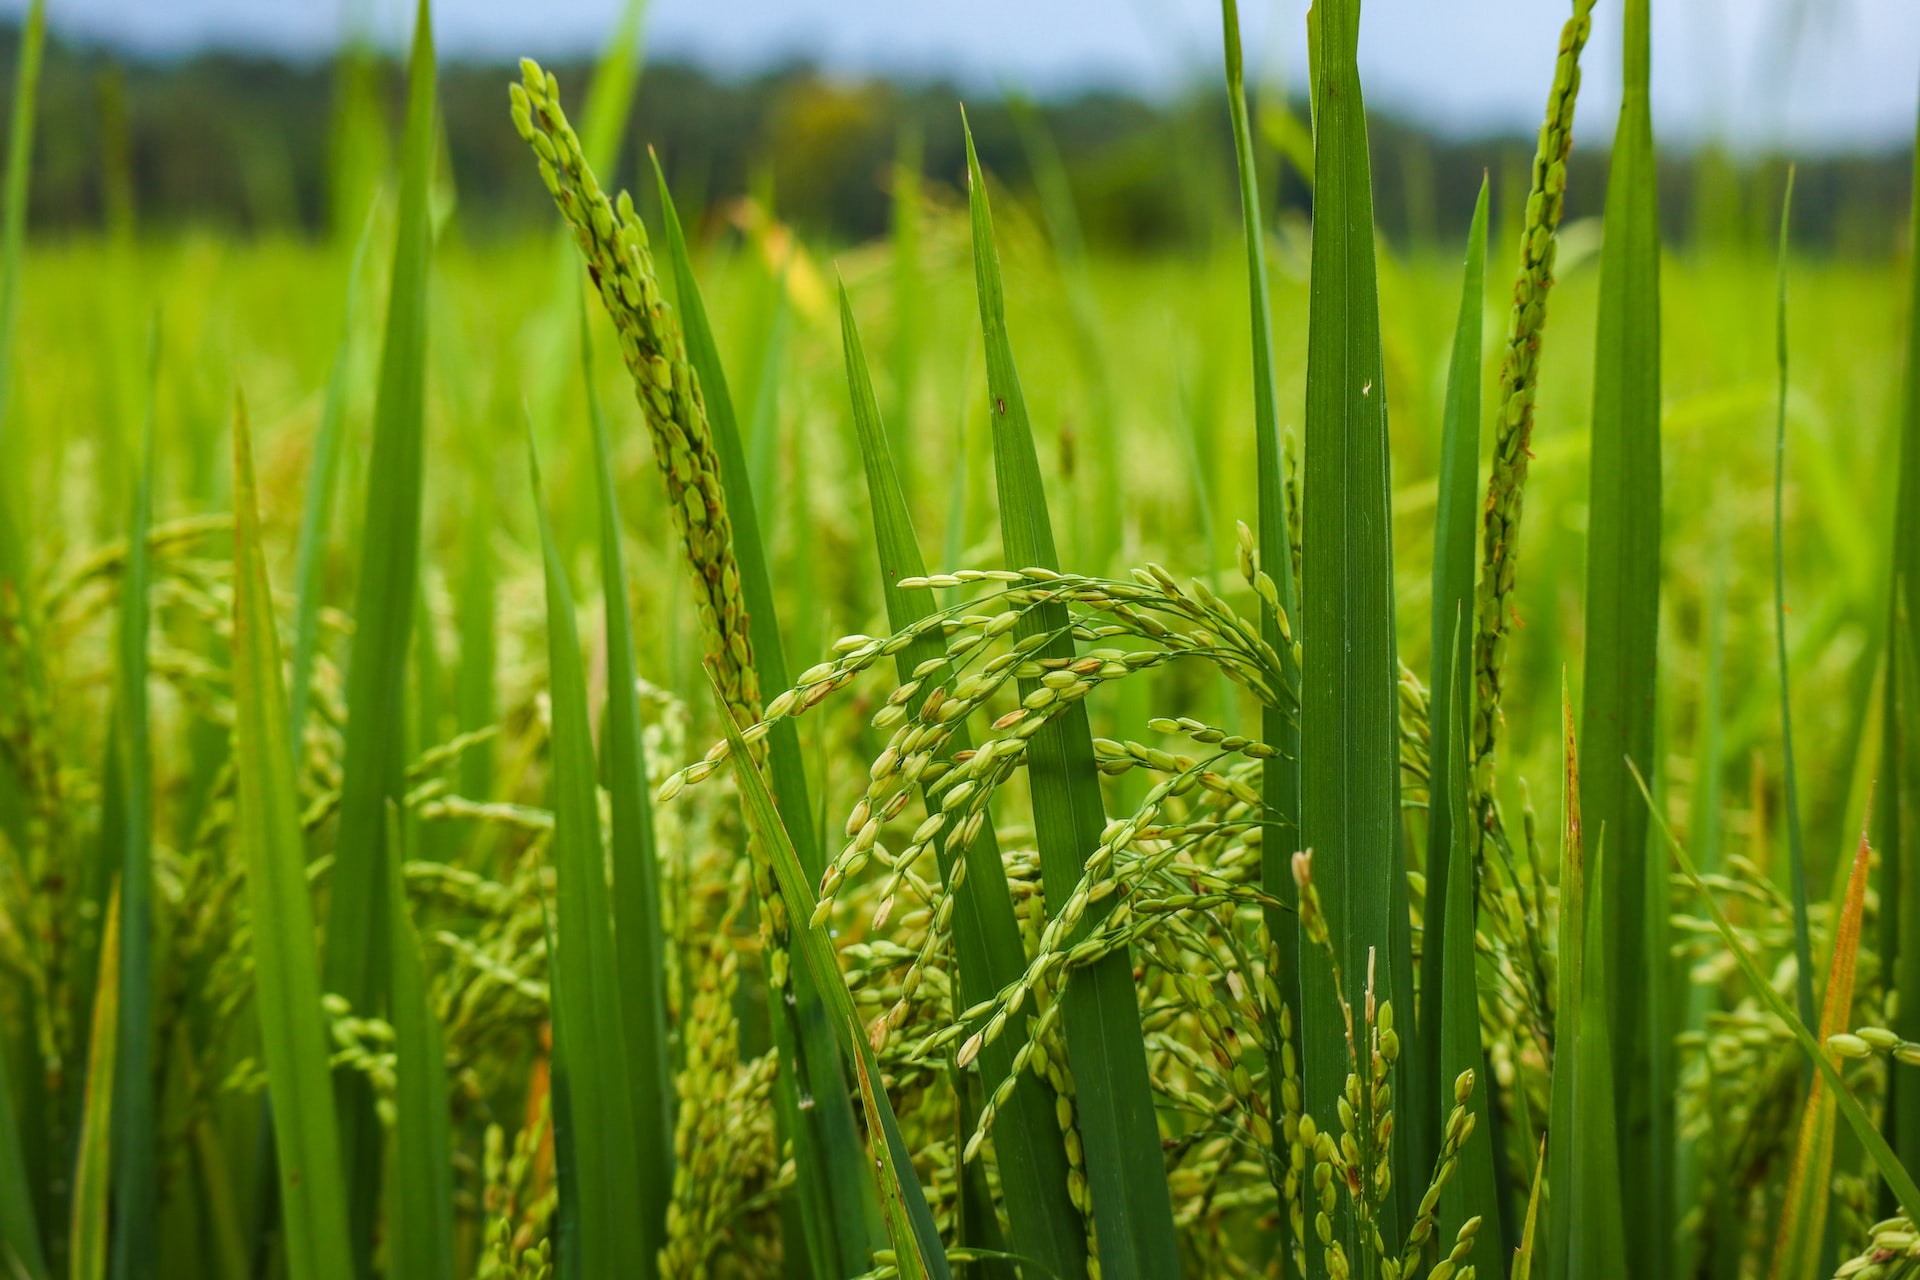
x=317 y=510
x=1898 y=819
x=372 y=767
x=1622 y=626
x=1132 y=1208
x=136 y=1135
x=1349 y=751
x=639 y=932
x=287 y=975
x=835 y=1191
x=1280 y=775
x=917 y=1238
x=586 y=972
x=1028 y=1147
x=421 y=1225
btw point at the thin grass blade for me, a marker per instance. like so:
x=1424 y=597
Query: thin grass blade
x=586 y=985
x=833 y=1187
x=1102 y=538
x=1622 y=625
x=1280 y=776
x=1790 y=784
x=914 y=1235
x=1028 y=1147
x=1473 y=1191
x=312 y=1189
x=1530 y=1232
x=1803 y=1217
x=317 y=513
x=13 y=237
x=909 y=158
x=638 y=931
x=136 y=1136
x=92 y=1172
x=1906 y=1193
x=1132 y=1208
x=372 y=767
x=610 y=97
x=421 y=1224
x=1448 y=817
x=1898 y=818
x=1585 y=1233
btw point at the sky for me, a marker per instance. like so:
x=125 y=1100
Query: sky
x=1806 y=74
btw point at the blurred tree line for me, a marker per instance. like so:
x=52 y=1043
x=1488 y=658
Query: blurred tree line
x=237 y=143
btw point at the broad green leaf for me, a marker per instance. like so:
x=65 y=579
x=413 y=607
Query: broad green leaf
x=586 y=981
x=136 y=1128
x=1898 y=817
x=915 y=1237
x=1449 y=812
x=372 y=767
x=838 y=1202
x=317 y=513
x=313 y=1204
x=1126 y=1175
x=1028 y=1147
x=638 y=930
x=1622 y=626
x=421 y=1222
x=1349 y=716
x=92 y=1172
x=1803 y=1218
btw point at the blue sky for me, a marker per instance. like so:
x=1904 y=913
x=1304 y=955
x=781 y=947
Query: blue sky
x=1740 y=69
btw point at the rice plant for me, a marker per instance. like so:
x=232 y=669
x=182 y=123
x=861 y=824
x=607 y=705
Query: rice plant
x=547 y=905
